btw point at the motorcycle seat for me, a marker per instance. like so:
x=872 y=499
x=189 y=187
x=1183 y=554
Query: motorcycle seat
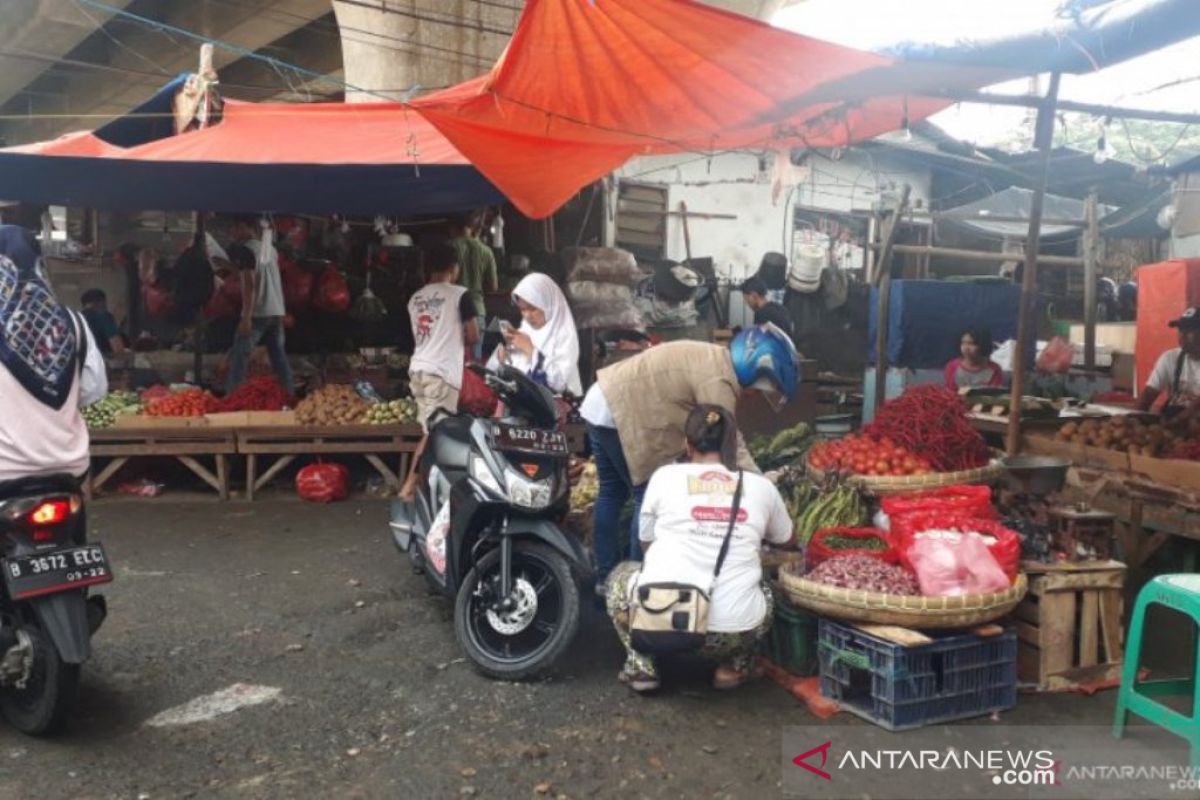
x=39 y=484
x=450 y=441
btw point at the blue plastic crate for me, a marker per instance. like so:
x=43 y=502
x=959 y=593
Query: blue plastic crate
x=955 y=677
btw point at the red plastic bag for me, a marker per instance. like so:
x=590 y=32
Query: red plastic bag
x=158 y=302
x=226 y=302
x=476 y=397
x=297 y=286
x=818 y=552
x=1057 y=356
x=957 y=564
x=1003 y=543
x=962 y=501
x=333 y=295
x=323 y=483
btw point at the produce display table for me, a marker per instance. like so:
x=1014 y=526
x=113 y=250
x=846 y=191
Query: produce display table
x=185 y=444
x=286 y=443
x=280 y=444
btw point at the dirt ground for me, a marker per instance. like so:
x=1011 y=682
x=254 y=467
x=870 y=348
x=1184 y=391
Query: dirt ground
x=366 y=691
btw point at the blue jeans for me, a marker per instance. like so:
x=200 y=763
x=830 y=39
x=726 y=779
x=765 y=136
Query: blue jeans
x=268 y=331
x=477 y=348
x=616 y=487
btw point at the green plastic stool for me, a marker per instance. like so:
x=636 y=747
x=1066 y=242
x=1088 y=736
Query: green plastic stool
x=1180 y=593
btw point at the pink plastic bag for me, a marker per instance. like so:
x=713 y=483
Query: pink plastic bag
x=950 y=565
x=1057 y=356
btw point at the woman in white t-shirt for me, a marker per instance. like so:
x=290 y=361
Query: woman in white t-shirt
x=684 y=519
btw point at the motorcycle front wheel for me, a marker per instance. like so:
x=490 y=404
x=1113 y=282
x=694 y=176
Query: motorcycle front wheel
x=42 y=707
x=528 y=638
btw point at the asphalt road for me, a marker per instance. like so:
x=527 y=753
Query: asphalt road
x=365 y=693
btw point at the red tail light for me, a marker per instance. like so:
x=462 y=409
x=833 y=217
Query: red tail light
x=51 y=512
x=43 y=536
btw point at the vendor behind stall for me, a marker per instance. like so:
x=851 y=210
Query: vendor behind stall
x=754 y=291
x=1177 y=372
x=973 y=368
x=102 y=323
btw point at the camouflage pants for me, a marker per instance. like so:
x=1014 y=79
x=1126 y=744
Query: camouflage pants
x=734 y=651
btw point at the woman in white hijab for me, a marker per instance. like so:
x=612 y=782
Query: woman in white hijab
x=546 y=346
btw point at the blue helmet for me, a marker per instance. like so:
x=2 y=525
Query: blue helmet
x=764 y=353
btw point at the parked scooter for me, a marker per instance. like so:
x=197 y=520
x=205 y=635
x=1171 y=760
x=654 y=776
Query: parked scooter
x=46 y=616
x=483 y=529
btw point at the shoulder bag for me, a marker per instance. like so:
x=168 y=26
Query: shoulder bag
x=673 y=617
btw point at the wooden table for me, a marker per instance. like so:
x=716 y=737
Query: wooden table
x=186 y=444
x=286 y=443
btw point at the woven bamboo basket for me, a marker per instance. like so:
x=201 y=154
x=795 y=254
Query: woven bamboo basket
x=774 y=560
x=853 y=605
x=887 y=484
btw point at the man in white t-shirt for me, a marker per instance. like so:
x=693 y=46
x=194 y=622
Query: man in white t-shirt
x=443 y=325
x=1177 y=373
x=254 y=256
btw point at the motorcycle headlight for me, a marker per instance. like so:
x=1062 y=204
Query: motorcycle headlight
x=528 y=493
x=481 y=472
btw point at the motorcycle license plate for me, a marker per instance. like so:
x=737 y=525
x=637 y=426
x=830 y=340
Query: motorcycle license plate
x=59 y=571
x=531 y=439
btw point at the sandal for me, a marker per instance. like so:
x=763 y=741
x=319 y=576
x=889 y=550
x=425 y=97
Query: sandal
x=640 y=682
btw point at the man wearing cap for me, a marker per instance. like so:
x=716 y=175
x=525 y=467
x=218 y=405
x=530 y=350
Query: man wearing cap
x=1177 y=372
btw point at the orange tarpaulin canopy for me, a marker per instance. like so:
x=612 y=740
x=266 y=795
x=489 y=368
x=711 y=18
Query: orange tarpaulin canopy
x=585 y=85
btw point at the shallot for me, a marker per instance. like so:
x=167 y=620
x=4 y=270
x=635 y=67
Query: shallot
x=866 y=574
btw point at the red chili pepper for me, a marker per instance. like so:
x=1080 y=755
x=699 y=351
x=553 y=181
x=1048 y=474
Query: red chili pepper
x=931 y=422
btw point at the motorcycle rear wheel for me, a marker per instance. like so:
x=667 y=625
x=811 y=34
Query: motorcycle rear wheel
x=544 y=638
x=43 y=706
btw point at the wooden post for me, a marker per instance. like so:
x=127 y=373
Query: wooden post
x=1091 y=251
x=883 y=279
x=1043 y=140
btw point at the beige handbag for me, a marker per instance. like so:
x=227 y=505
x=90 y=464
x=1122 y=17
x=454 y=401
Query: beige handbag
x=673 y=617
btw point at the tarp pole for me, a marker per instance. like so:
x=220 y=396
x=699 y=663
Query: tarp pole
x=1091 y=250
x=883 y=278
x=1043 y=140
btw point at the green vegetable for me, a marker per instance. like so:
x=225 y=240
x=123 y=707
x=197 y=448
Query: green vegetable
x=104 y=413
x=850 y=543
x=788 y=446
x=842 y=507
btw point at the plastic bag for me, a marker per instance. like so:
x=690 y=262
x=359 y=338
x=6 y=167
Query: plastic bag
x=476 y=397
x=592 y=293
x=1056 y=356
x=323 y=483
x=604 y=264
x=158 y=302
x=955 y=565
x=965 y=501
x=297 y=286
x=333 y=295
x=1003 y=543
x=818 y=551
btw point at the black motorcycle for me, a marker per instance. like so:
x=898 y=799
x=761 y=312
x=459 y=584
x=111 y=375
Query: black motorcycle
x=46 y=616
x=483 y=529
